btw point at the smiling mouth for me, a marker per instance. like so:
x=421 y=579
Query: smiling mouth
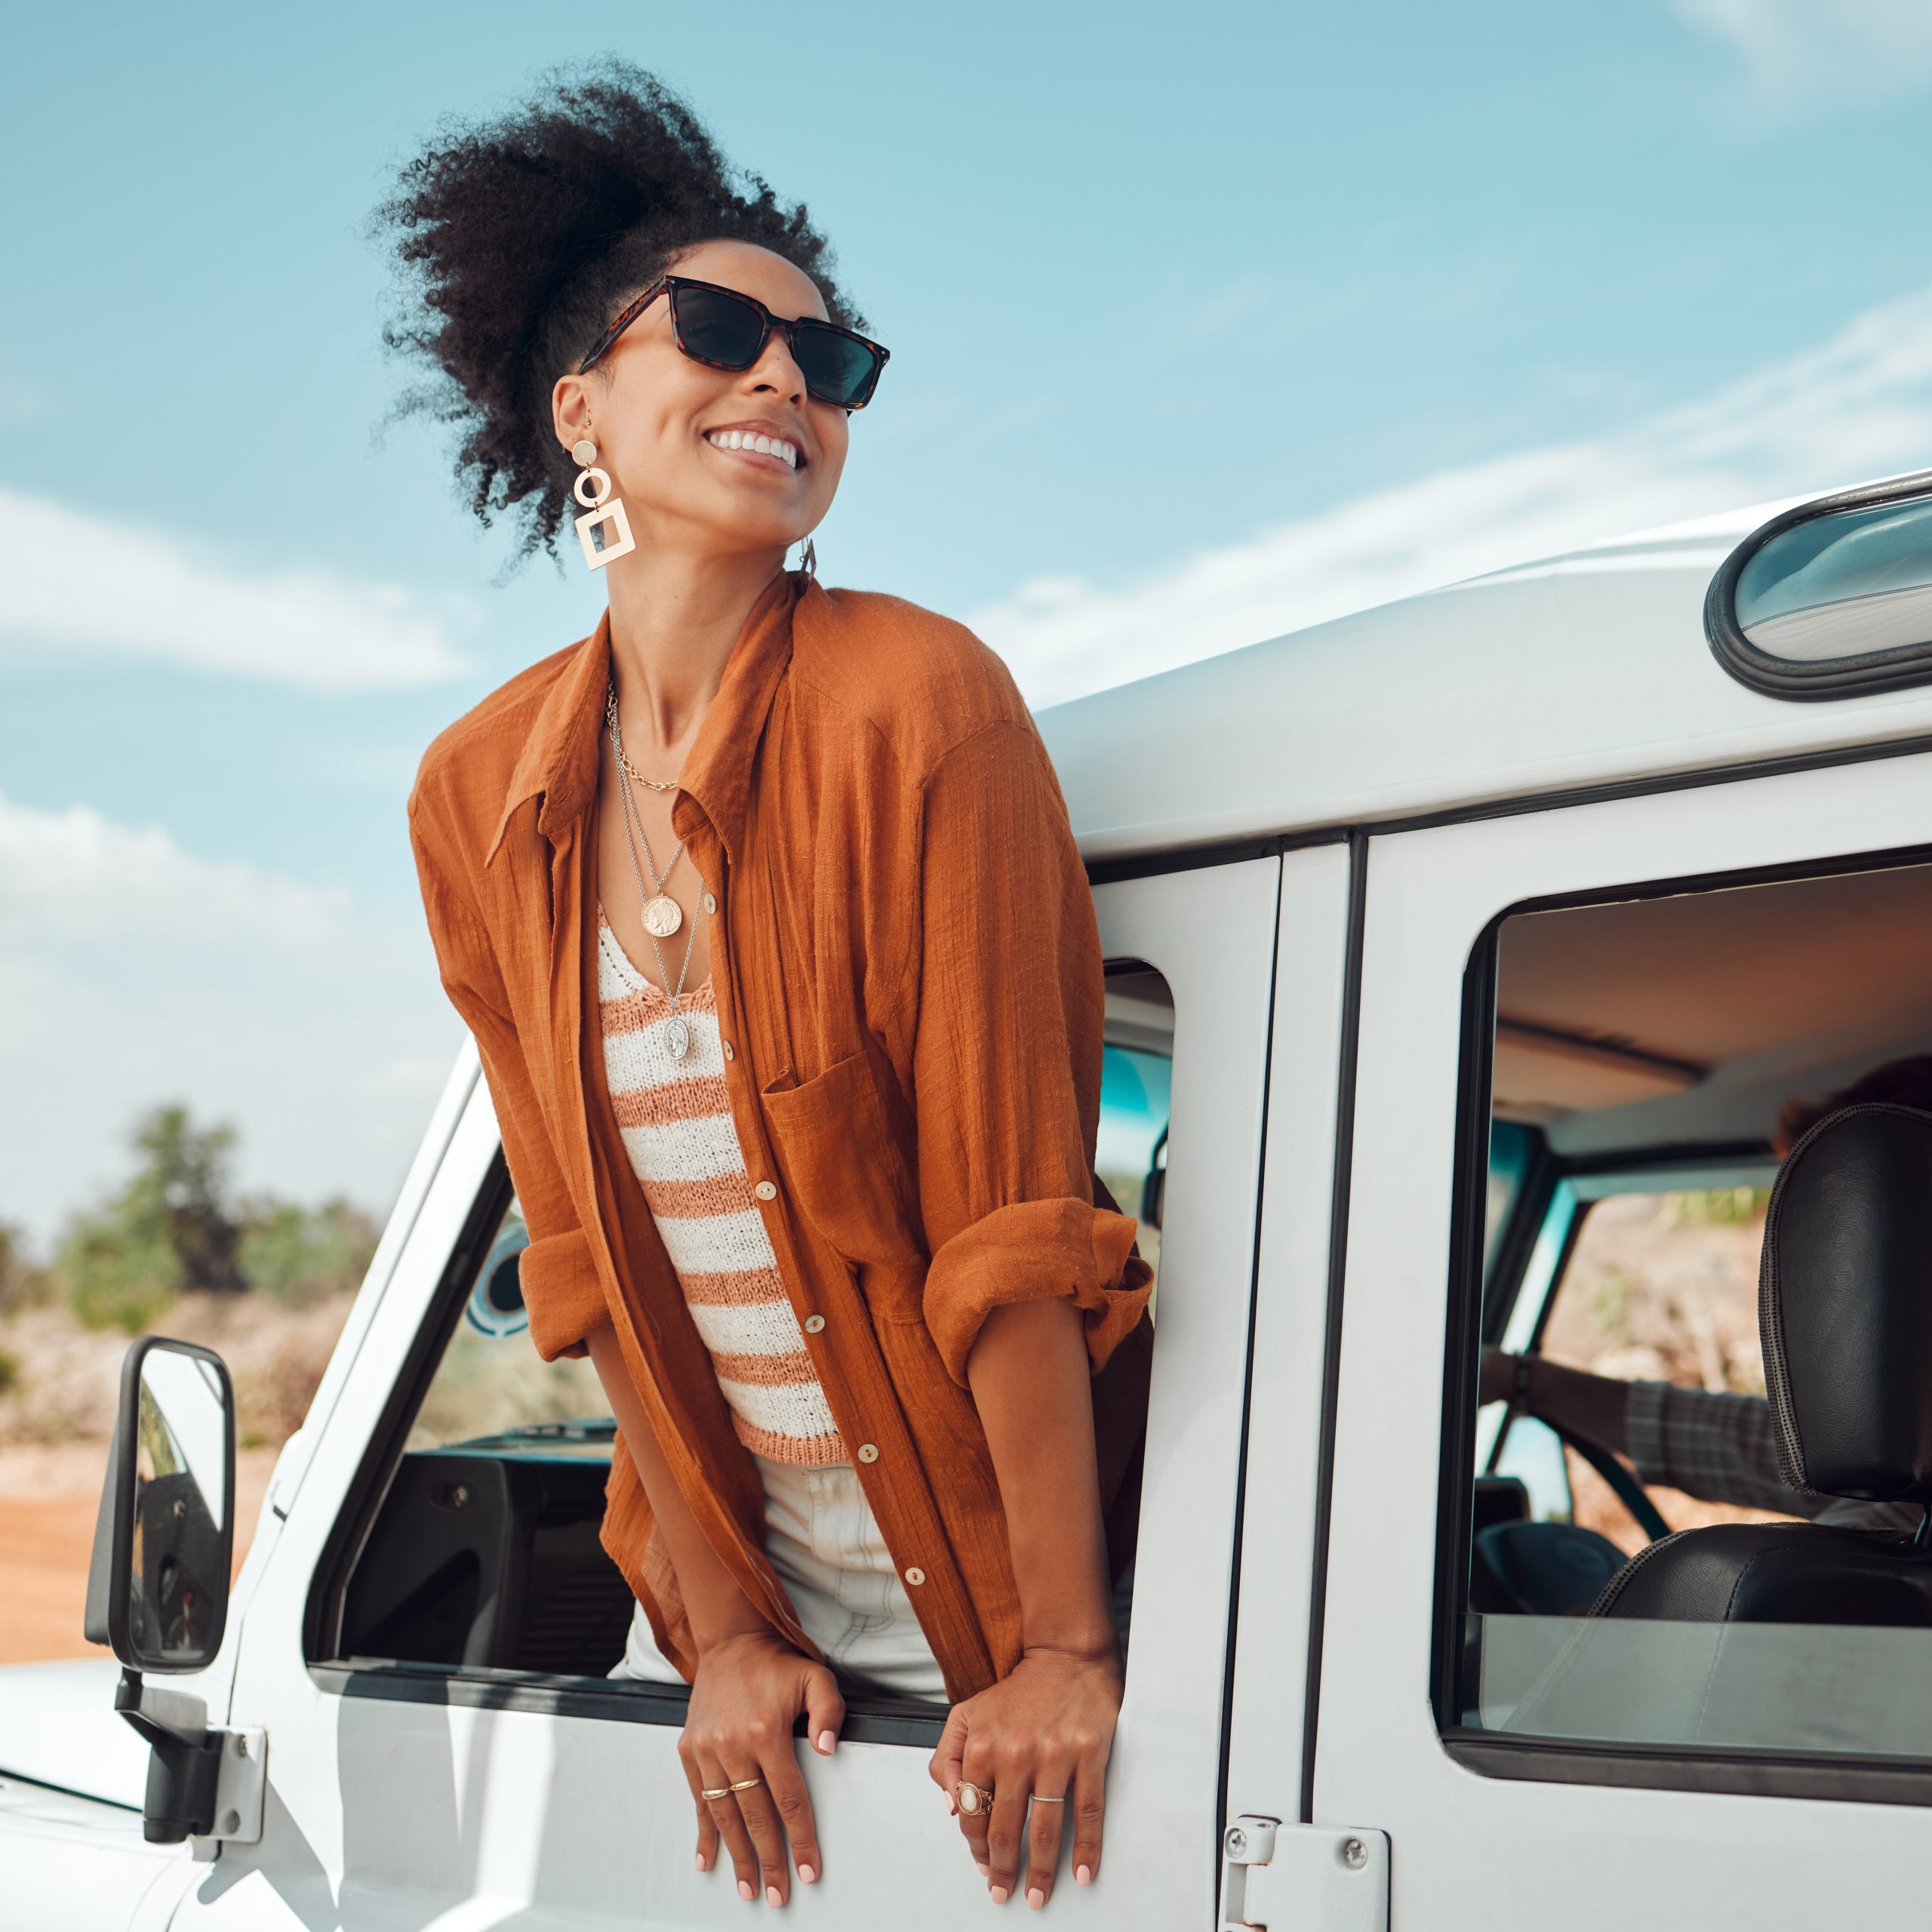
x=779 y=449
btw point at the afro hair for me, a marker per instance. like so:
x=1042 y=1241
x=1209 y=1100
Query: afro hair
x=519 y=238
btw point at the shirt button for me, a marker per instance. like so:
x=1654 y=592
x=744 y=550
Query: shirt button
x=728 y=1053
x=916 y=1575
x=868 y=1452
x=711 y=902
x=765 y=1191
x=814 y=1325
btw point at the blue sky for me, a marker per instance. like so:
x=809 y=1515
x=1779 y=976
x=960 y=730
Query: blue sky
x=1207 y=320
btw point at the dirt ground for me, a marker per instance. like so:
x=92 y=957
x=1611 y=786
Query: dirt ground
x=48 y=1497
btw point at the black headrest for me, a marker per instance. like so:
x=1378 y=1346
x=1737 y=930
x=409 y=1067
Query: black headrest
x=1845 y=1306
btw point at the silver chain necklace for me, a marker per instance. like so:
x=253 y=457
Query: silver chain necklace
x=677 y=1033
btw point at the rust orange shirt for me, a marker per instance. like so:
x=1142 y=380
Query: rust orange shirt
x=907 y=968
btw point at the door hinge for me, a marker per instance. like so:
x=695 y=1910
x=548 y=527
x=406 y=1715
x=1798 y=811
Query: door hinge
x=1333 y=1876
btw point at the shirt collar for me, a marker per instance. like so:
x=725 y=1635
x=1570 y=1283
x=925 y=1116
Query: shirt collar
x=559 y=762
x=717 y=778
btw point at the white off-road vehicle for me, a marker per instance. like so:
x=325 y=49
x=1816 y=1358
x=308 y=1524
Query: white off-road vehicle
x=1432 y=931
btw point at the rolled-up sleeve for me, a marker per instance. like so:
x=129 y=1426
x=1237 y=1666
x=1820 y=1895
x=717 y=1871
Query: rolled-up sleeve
x=561 y=1288
x=1007 y=1055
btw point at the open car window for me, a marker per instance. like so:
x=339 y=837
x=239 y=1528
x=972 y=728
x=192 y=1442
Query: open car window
x=482 y=1552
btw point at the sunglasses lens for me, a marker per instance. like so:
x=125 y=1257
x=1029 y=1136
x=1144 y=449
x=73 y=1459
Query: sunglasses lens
x=718 y=327
x=837 y=368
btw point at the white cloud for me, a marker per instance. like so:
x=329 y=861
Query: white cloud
x=74 y=875
x=133 y=971
x=1859 y=405
x=1820 y=55
x=82 y=582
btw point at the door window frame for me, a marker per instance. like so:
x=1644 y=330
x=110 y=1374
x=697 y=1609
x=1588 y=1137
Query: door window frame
x=1740 y=1770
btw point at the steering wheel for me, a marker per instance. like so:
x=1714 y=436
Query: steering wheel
x=1629 y=1491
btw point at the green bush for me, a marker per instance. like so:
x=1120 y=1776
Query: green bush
x=296 y=1256
x=22 y=1285
x=1721 y=1206
x=10 y=1371
x=174 y=1228
x=115 y=1273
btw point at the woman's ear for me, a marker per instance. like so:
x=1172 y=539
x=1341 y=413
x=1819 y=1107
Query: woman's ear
x=570 y=408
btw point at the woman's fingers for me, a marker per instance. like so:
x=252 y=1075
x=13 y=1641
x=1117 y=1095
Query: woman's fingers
x=1088 y=1803
x=1043 y=1828
x=785 y=1784
x=1006 y=1831
x=945 y=1767
x=729 y=1823
x=707 y=1826
x=767 y=1833
x=824 y=1709
x=976 y=1767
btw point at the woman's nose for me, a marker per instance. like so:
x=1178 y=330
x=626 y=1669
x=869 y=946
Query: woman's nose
x=775 y=369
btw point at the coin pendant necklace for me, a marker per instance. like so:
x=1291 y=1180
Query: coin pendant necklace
x=677 y=1031
x=663 y=914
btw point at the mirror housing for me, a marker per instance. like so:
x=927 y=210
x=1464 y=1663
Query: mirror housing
x=157 y=1585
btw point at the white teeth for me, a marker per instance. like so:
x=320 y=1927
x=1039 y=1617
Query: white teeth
x=739 y=439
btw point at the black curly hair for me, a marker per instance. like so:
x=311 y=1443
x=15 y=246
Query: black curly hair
x=519 y=238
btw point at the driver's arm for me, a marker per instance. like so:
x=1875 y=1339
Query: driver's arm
x=1714 y=1445
x=1591 y=1406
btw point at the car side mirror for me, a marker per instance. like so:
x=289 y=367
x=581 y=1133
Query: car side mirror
x=164 y=1544
x=164 y=1540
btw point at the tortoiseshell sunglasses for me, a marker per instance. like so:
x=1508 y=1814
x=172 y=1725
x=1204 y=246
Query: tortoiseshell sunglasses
x=727 y=330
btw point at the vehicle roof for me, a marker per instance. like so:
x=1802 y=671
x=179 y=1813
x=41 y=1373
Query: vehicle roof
x=1572 y=671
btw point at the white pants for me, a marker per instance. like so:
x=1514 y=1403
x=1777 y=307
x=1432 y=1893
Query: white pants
x=825 y=1543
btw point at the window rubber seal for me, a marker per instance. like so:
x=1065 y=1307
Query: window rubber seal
x=1862 y=674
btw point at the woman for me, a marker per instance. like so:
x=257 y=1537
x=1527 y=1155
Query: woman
x=762 y=905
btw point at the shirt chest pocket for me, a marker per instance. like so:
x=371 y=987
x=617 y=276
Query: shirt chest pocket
x=849 y=1178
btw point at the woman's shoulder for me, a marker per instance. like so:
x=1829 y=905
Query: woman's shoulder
x=463 y=777
x=923 y=682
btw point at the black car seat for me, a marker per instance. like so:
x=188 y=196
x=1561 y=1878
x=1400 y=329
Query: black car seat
x=1845 y=1310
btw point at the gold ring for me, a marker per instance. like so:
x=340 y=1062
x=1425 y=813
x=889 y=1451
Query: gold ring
x=723 y=1791
x=744 y=1784
x=972 y=1798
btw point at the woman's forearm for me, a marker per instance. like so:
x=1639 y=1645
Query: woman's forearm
x=1029 y=1377
x=718 y=1609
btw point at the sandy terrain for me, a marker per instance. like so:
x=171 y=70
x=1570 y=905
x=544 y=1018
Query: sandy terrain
x=48 y=1497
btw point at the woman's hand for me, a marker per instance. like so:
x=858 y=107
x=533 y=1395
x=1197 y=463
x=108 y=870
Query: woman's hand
x=748 y=1691
x=1044 y=1732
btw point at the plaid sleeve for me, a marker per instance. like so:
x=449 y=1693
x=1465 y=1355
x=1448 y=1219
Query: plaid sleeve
x=1717 y=1447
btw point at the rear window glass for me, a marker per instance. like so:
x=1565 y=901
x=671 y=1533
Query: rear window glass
x=1831 y=599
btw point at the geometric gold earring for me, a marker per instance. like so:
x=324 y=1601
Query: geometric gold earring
x=604 y=530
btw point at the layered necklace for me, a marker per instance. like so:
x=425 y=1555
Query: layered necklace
x=663 y=914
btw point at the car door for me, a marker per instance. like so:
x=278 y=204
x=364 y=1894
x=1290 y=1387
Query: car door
x=1482 y=1825
x=459 y=1794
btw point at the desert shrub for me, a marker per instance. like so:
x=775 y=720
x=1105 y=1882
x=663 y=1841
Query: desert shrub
x=298 y=1256
x=1716 y=1206
x=22 y=1284
x=115 y=1271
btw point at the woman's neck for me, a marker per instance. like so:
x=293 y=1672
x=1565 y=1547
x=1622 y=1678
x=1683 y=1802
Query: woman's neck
x=673 y=619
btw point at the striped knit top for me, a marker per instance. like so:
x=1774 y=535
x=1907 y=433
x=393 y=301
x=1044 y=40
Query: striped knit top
x=676 y=1120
